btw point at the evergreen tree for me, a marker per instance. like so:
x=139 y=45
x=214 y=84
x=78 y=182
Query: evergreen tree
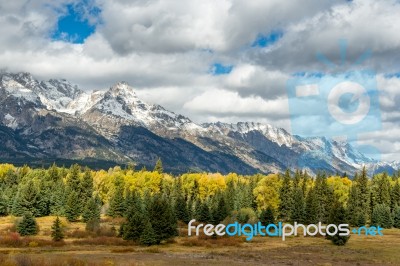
x=158 y=167
x=86 y=186
x=92 y=210
x=28 y=225
x=285 y=195
x=57 y=198
x=355 y=215
x=381 y=216
x=71 y=211
x=395 y=196
x=364 y=193
x=54 y=174
x=3 y=205
x=27 y=200
x=267 y=216
x=117 y=201
x=74 y=186
x=57 y=233
x=298 y=207
x=324 y=195
x=219 y=210
x=181 y=210
x=396 y=217
x=311 y=215
x=135 y=217
x=204 y=213
x=148 y=237
x=337 y=216
x=162 y=218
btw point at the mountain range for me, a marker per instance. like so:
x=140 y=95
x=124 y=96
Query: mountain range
x=55 y=121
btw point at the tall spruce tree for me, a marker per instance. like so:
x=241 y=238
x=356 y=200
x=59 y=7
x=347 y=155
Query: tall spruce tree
x=181 y=210
x=162 y=218
x=338 y=216
x=298 y=206
x=27 y=200
x=285 y=195
x=381 y=216
x=395 y=195
x=158 y=167
x=117 y=206
x=396 y=217
x=364 y=193
x=71 y=211
x=136 y=215
x=86 y=186
x=92 y=210
x=311 y=209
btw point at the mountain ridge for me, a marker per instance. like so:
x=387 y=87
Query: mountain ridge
x=43 y=118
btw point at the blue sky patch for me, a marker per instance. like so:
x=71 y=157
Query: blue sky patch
x=267 y=40
x=74 y=26
x=220 y=69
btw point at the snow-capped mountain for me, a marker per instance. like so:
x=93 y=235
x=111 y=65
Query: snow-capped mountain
x=54 y=119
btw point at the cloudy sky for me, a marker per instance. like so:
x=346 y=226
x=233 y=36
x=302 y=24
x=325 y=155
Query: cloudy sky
x=225 y=60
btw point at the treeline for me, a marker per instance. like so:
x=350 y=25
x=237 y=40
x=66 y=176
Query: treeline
x=152 y=201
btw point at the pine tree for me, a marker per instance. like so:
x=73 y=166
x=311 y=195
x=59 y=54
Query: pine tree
x=135 y=218
x=337 y=216
x=219 y=210
x=181 y=211
x=355 y=215
x=71 y=211
x=54 y=174
x=396 y=217
x=203 y=213
x=74 y=186
x=298 y=207
x=158 y=167
x=162 y=218
x=57 y=233
x=148 y=237
x=364 y=193
x=3 y=204
x=28 y=225
x=86 y=186
x=27 y=200
x=285 y=195
x=380 y=192
x=267 y=216
x=381 y=216
x=92 y=210
x=311 y=215
x=117 y=202
x=57 y=198
x=395 y=196
x=324 y=195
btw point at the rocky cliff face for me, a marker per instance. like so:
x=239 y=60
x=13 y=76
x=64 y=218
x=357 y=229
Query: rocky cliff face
x=56 y=120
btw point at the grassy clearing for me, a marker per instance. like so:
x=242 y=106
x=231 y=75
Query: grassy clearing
x=81 y=248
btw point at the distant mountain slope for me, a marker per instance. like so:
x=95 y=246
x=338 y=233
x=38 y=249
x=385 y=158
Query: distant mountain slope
x=55 y=120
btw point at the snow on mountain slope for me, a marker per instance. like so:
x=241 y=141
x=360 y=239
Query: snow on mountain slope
x=120 y=105
x=117 y=114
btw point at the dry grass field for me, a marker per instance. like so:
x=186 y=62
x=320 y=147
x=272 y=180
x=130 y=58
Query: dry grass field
x=81 y=248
